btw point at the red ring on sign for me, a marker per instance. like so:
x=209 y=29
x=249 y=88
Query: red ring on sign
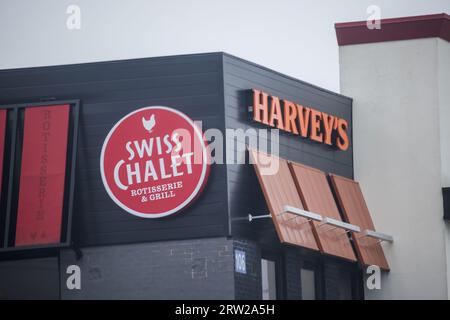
x=154 y=162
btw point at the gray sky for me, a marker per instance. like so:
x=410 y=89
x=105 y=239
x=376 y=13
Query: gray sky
x=295 y=37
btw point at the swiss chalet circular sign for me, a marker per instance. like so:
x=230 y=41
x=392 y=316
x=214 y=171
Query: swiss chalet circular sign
x=154 y=162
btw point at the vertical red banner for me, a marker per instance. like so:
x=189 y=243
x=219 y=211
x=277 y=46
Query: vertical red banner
x=2 y=143
x=42 y=175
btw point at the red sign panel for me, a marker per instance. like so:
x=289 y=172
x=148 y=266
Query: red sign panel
x=154 y=162
x=42 y=175
x=2 y=143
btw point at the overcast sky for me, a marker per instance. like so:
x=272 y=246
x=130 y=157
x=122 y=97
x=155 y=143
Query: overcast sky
x=295 y=37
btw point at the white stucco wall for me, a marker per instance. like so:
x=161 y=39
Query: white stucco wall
x=397 y=158
x=444 y=117
x=444 y=107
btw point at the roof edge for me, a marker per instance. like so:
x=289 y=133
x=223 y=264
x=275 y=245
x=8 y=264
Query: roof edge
x=394 y=29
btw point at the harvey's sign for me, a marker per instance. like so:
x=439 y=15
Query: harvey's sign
x=300 y=120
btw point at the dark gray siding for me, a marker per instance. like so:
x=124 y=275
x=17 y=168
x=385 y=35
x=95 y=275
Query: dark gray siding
x=29 y=279
x=243 y=198
x=108 y=91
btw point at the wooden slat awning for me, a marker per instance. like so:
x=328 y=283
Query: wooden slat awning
x=355 y=211
x=316 y=196
x=279 y=190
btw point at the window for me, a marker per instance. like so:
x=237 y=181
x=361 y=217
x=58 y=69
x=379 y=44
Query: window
x=308 y=284
x=269 y=283
x=345 y=284
x=311 y=279
x=38 y=143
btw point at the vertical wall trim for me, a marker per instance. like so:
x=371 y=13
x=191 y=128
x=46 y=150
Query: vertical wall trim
x=223 y=108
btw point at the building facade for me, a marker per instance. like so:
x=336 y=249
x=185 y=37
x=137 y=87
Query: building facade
x=192 y=254
x=398 y=78
x=303 y=231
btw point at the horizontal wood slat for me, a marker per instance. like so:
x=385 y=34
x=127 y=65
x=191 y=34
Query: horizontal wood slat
x=316 y=196
x=355 y=211
x=279 y=190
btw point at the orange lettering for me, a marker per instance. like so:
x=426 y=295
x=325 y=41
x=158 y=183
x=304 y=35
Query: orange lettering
x=300 y=120
x=315 y=134
x=275 y=113
x=328 y=122
x=303 y=119
x=259 y=107
x=342 y=141
x=290 y=113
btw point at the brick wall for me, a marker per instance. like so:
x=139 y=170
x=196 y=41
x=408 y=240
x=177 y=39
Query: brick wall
x=187 y=269
x=292 y=265
x=248 y=286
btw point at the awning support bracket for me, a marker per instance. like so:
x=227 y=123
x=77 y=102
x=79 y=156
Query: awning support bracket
x=252 y=217
x=310 y=216
x=326 y=221
x=377 y=235
x=334 y=223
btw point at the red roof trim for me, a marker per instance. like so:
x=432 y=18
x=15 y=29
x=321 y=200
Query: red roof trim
x=427 y=26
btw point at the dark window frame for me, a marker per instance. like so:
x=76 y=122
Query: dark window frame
x=277 y=258
x=317 y=268
x=446 y=202
x=11 y=177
